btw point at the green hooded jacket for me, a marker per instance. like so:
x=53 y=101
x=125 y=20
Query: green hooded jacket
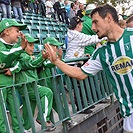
x=28 y=66
x=8 y=54
x=87 y=24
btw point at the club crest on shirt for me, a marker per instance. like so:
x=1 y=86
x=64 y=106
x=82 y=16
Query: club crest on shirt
x=127 y=46
x=122 y=65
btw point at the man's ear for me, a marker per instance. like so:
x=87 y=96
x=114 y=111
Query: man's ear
x=109 y=17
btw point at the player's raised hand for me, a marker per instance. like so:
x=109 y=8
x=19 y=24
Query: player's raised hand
x=45 y=54
x=23 y=41
x=52 y=54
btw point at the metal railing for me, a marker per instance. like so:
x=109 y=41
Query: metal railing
x=82 y=95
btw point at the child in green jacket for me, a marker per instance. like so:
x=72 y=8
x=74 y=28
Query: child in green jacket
x=45 y=70
x=9 y=52
x=28 y=74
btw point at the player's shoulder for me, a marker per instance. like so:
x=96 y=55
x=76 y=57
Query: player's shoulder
x=129 y=30
x=99 y=50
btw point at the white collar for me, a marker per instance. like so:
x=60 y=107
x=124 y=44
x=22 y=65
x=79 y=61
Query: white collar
x=2 y=40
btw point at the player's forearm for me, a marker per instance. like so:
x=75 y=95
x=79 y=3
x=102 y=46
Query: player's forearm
x=71 y=71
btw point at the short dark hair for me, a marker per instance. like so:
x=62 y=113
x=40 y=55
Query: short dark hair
x=74 y=21
x=72 y=5
x=103 y=10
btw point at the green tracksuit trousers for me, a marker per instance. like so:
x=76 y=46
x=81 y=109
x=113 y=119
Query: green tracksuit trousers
x=46 y=99
x=7 y=95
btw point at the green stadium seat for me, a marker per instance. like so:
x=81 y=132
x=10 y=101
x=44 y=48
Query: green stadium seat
x=34 y=23
x=44 y=30
x=36 y=47
x=28 y=22
x=26 y=30
x=52 y=33
x=34 y=29
x=27 y=17
x=43 y=23
x=41 y=37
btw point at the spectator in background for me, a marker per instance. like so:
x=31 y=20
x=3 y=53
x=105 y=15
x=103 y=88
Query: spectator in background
x=49 y=9
x=67 y=7
x=24 y=5
x=129 y=22
x=6 y=8
x=59 y=8
x=72 y=11
x=17 y=10
x=77 y=5
x=32 y=6
x=87 y=25
x=81 y=11
x=77 y=40
x=44 y=1
x=122 y=23
x=42 y=8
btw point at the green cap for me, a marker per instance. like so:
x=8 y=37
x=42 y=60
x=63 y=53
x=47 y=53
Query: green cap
x=6 y=23
x=89 y=8
x=88 y=12
x=52 y=41
x=31 y=39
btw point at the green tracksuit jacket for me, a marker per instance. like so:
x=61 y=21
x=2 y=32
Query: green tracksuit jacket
x=87 y=24
x=45 y=73
x=8 y=53
x=29 y=75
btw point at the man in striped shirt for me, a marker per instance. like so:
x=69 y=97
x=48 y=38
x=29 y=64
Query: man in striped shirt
x=115 y=58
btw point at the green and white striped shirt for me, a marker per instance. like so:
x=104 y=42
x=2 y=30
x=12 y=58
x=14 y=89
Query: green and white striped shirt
x=116 y=59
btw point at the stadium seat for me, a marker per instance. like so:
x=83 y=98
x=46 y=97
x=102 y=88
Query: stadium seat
x=44 y=30
x=43 y=23
x=26 y=21
x=34 y=22
x=34 y=29
x=26 y=17
x=41 y=37
x=26 y=30
x=52 y=33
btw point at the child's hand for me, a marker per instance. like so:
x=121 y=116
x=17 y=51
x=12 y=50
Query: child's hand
x=23 y=41
x=7 y=72
x=60 y=52
x=45 y=55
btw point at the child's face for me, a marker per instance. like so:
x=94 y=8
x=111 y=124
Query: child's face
x=12 y=35
x=130 y=25
x=80 y=26
x=30 y=48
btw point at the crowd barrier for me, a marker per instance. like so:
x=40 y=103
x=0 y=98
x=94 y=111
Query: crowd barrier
x=87 y=93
